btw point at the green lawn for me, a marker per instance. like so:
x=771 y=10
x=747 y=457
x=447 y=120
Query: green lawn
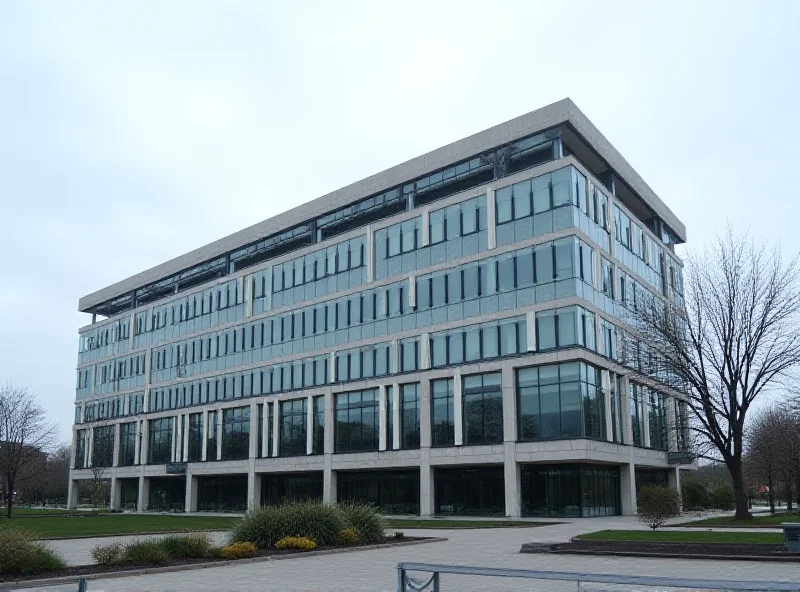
x=18 y=511
x=436 y=523
x=52 y=527
x=758 y=521
x=671 y=536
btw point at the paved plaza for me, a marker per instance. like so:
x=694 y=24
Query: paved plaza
x=375 y=570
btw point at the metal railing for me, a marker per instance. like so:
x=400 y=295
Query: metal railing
x=433 y=583
x=63 y=586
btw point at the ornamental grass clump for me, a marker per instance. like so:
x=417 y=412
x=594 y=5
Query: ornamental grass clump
x=265 y=526
x=22 y=555
x=148 y=552
x=187 y=546
x=365 y=520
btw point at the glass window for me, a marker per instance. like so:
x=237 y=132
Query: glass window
x=409 y=415
x=505 y=274
x=160 y=445
x=293 y=425
x=525 y=268
x=357 y=421
x=235 y=433
x=522 y=199
x=443 y=428
x=409 y=355
x=564 y=258
x=546 y=329
x=469 y=217
x=437 y=221
x=483 y=409
x=540 y=186
x=439 y=290
x=505 y=208
x=561 y=187
x=544 y=263
x=393 y=241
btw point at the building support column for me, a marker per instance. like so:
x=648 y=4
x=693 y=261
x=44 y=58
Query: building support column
x=627 y=484
x=395 y=417
x=328 y=475
x=219 y=435
x=72 y=495
x=674 y=477
x=458 y=407
x=253 y=486
x=117 y=434
x=206 y=431
x=511 y=470
x=253 y=440
x=190 y=503
x=382 y=420
x=426 y=484
x=491 y=217
x=144 y=494
x=115 y=494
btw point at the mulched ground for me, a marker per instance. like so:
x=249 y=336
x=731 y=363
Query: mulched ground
x=85 y=570
x=754 y=552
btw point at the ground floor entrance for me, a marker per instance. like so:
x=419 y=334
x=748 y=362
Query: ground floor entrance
x=166 y=494
x=277 y=488
x=470 y=491
x=393 y=491
x=222 y=493
x=570 y=491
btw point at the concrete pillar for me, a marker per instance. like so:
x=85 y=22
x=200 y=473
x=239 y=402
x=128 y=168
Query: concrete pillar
x=73 y=448
x=144 y=494
x=425 y=351
x=458 y=408
x=395 y=349
x=412 y=291
x=190 y=504
x=370 y=254
x=145 y=442
x=645 y=420
x=605 y=382
x=265 y=431
x=329 y=481
x=426 y=413
x=672 y=433
x=328 y=474
x=248 y=296
x=530 y=330
x=219 y=435
x=72 y=494
x=253 y=450
x=115 y=457
x=175 y=430
x=115 y=493
x=206 y=433
x=276 y=424
x=427 y=505
x=513 y=480
x=185 y=437
x=627 y=484
x=89 y=449
x=426 y=227
x=383 y=423
x=624 y=403
x=309 y=424
x=491 y=217
x=395 y=416
x=674 y=476
x=253 y=487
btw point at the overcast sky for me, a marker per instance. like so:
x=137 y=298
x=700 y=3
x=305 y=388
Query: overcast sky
x=133 y=132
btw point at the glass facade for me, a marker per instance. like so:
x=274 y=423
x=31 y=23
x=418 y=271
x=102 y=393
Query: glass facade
x=167 y=494
x=226 y=493
x=478 y=491
x=483 y=409
x=235 y=433
x=570 y=491
x=277 y=488
x=357 y=421
x=412 y=287
x=294 y=420
x=560 y=401
x=392 y=492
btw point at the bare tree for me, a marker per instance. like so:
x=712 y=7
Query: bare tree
x=25 y=437
x=737 y=338
x=766 y=455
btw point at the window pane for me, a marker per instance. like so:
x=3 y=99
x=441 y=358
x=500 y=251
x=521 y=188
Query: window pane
x=469 y=217
x=546 y=330
x=522 y=200
x=541 y=194
x=437 y=227
x=544 y=264
x=504 y=205
x=525 y=268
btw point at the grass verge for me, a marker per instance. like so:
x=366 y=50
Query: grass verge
x=758 y=521
x=53 y=526
x=459 y=524
x=671 y=536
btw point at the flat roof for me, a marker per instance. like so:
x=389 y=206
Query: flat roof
x=563 y=111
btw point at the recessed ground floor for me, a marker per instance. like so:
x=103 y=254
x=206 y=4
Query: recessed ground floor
x=527 y=489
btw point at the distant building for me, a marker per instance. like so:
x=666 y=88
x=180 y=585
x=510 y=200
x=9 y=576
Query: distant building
x=443 y=337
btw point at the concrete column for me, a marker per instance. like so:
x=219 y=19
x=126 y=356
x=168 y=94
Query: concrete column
x=458 y=408
x=627 y=484
x=624 y=403
x=248 y=296
x=145 y=443
x=90 y=449
x=645 y=421
x=395 y=351
x=191 y=492
x=265 y=431
x=426 y=407
x=530 y=330
x=395 y=416
x=412 y=291
x=132 y=331
x=253 y=451
x=72 y=494
x=513 y=480
x=329 y=481
x=73 y=448
x=605 y=381
x=329 y=423
x=309 y=424
x=115 y=493
x=426 y=227
x=332 y=364
x=491 y=218
x=144 y=494
x=427 y=505
x=268 y=294
x=276 y=427
x=186 y=437
x=253 y=487
x=425 y=351
x=383 y=423
x=370 y=254
x=674 y=476
x=672 y=434
x=206 y=433
x=175 y=429
x=219 y=435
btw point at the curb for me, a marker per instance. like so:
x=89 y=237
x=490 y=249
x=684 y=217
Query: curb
x=207 y=564
x=762 y=558
x=131 y=534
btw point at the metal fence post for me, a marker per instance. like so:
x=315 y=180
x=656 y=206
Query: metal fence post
x=82 y=585
x=401 y=579
x=436 y=581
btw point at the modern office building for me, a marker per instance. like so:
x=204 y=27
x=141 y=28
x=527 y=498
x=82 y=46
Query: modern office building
x=445 y=337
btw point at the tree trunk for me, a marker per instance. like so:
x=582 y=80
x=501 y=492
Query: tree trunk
x=789 y=493
x=739 y=491
x=9 y=498
x=771 y=495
